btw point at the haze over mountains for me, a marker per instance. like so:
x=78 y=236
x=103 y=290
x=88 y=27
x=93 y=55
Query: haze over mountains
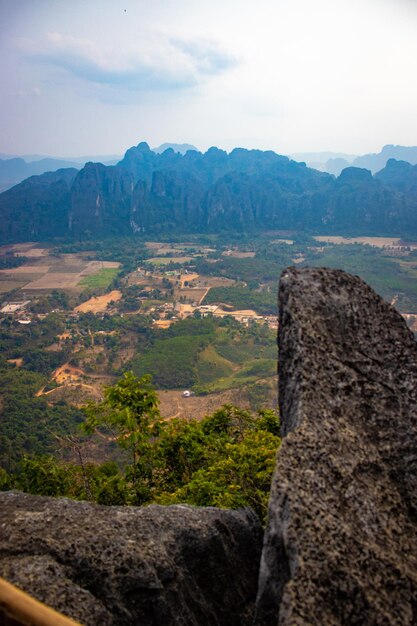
x=14 y=169
x=335 y=162
x=242 y=191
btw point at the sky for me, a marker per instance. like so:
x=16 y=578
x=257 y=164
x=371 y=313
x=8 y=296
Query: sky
x=98 y=76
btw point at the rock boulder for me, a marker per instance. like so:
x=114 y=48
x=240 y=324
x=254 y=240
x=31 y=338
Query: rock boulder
x=341 y=542
x=148 y=566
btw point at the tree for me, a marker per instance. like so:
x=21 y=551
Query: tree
x=44 y=475
x=225 y=460
x=130 y=411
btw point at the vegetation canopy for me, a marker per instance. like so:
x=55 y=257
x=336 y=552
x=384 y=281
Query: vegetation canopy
x=224 y=460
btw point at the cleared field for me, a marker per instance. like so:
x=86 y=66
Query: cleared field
x=164 y=324
x=173 y=404
x=243 y=313
x=26 y=269
x=184 y=310
x=239 y=255
x=166 y=248
x=168 y=260
x=55 y=280
x=218 y=281
x=378 y=242
x=188 y=278
x=193 y=295
x=92 y=267
x=99 y=304
x=289 y=242
x=47 y=271
x=101 y=279
x=154 y=245
x=30 y=249
x=10 y=283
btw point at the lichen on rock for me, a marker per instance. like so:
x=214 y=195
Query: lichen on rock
x=153 y=566
x=341 y=542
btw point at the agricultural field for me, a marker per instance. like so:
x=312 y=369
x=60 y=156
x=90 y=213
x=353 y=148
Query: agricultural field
x=377 y=242
x=45 y=270
x=99 y=304
x=206 y=324
x=168 y=260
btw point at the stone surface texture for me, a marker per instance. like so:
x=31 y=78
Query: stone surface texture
x=148 y=566
x=341 y=541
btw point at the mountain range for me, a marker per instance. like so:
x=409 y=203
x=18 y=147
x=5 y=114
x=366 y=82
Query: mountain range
x=245 y=190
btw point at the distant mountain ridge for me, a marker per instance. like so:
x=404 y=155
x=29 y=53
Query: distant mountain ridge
x=13 y=171
x=182 y=148
x=244 y=190
x=335 y=162
x=376 y=162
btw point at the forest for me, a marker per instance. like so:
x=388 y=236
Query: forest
x=224 y=460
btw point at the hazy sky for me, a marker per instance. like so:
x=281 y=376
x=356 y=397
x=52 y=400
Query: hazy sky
x=97 y=76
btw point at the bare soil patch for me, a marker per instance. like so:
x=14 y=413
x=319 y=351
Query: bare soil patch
x=27 y=269
x=163 y=324
x=289 y=242
x=152 y=245
x=167 y=260
x=93 y=267
x=76 y=394
x=17 y=362
x=9 y=285
x=30 y=250
x=173 y=404
x=220 y=312
x=219 y=281
x=378 y=242
x=99 y=304
x=188 y=278
x=47 y=271
x=184 y=310
x=193 y=295
x=68 y=374
x=55 y=280
x=239 y=255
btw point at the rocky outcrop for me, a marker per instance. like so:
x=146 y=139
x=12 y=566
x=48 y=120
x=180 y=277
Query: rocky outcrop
x=37 y=208
x=153 y=566
x=340 y=546
x=100 y=201
x=399 y=175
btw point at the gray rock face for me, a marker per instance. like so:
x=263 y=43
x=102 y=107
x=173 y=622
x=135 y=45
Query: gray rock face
x=149 y=566
x=341 y=542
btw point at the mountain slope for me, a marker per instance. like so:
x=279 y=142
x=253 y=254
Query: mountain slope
x=37 y=208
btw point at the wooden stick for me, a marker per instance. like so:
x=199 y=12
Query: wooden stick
x=20 y=608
